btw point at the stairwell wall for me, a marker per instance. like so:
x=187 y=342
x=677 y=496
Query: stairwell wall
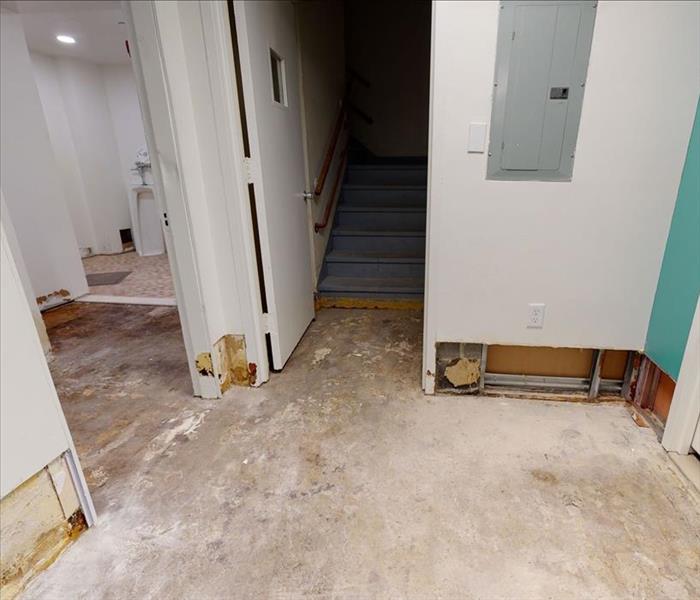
x=320 y=31
x=388 y=43
x=590 y=249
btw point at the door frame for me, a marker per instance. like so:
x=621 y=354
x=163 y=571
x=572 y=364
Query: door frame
x=161 y=83
x=684 y=415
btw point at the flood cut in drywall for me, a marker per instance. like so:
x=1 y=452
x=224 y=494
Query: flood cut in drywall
x=465 y=368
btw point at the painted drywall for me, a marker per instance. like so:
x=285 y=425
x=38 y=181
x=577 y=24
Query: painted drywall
x=388 y=43
x=127 y=121
x=23 y=274
x=320 y=27
x=49 y=85
x=90 y=121
x=32 y=430
x=30 y=178
x=590 y=249
x=679 y=281
x=96 y=129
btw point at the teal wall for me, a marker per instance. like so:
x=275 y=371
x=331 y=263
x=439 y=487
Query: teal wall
x=679 y=281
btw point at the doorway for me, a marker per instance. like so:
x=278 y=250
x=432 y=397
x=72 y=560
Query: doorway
x=335 y=110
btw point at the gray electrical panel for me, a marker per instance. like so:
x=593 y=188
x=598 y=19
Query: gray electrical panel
x=541 y=64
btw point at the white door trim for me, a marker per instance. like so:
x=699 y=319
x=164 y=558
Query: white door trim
x=154 y=96
x=429 y=327
x=236 y=169
x=683 y=417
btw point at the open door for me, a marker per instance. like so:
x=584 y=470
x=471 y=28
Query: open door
x=267 y=43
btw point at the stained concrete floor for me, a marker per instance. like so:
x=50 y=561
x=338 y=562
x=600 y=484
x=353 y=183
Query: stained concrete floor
x=340 y=479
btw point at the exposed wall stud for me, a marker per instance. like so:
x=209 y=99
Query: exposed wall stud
x=594 y=386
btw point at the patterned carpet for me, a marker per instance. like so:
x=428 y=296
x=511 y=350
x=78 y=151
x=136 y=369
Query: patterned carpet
x=150 y=275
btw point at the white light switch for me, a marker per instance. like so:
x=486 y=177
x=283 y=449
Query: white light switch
x=477 y=137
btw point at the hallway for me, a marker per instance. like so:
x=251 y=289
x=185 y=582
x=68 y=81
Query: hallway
x=340 y=479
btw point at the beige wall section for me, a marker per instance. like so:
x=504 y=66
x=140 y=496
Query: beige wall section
x=388 y=43
x=37 y=521
x=322 y=53
x=553 y=362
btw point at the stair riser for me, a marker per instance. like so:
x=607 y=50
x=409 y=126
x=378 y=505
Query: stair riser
x=387 y=176
x=360 y=243
x=381 y=220
x=352 y=269
x=385 y=196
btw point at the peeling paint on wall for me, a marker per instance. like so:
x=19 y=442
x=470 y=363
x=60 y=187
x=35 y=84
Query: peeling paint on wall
x=465 y=371
x=231 y=360
x=204 y=365
x=53 y=298
x=458 y=367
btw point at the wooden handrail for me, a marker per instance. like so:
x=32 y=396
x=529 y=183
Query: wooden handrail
x=340 y=121
x=331 y=200
x=330 y=151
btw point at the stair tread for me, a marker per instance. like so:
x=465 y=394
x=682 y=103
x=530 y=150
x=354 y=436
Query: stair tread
x=387 y=166
x=333 y=283
x=374 y=207
x=379 y=232
x=374 y=256
x=380 y=187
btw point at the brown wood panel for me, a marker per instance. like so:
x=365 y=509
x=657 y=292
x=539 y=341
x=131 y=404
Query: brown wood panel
x=663 y=397
x=614 y=362
x=530 y=360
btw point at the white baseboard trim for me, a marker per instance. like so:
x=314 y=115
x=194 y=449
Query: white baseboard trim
x=105 y=299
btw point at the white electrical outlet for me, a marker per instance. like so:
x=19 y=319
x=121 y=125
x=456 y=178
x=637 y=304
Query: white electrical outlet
x=535 y=316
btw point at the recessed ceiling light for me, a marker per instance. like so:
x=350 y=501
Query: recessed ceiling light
x=65 y=39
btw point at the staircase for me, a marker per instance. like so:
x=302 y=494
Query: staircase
x=377 y=244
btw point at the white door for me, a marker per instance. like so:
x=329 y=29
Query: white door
x=695 y=444
x=269 y=63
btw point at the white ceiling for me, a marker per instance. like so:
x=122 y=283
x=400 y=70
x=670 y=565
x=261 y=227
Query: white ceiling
x=94 y=25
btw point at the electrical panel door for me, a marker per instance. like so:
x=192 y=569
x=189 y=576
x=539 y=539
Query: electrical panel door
x=541 y=64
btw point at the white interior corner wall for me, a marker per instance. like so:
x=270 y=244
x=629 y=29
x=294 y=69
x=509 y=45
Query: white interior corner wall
x=590 y=249
x=94 y=140
x=126 y=116
x=96 y=129
x=46 y=76
x=320 y=27
x=30 y=177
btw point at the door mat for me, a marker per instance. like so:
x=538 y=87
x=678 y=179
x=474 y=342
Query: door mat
x=106 y=278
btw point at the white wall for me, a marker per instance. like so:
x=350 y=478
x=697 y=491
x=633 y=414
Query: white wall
x=32 y=427
x=95 y=143
x=127 y=121
x=29 y=174
x=320 y=27
x=590 y=249
x=96 y=129
x=388 y=43
x=47 y=80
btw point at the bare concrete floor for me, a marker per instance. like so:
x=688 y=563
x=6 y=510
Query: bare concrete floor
x=340 y=479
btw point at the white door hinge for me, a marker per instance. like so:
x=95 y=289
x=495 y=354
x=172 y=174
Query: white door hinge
x=266 y=322
x=248 y=169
